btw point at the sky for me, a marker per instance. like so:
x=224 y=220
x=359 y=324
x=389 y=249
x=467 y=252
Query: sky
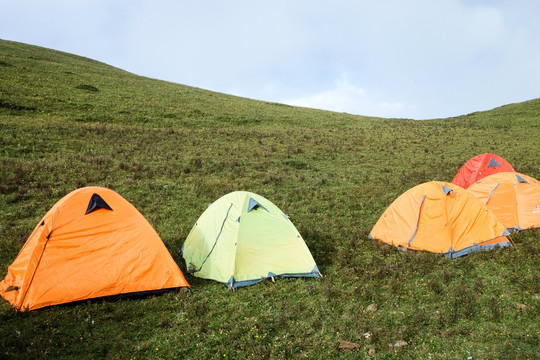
x=419 y=59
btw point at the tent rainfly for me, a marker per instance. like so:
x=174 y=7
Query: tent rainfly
x=243 y=238
x=442 y=218
x=513 y=198
x=479 y=167
x=91 y=244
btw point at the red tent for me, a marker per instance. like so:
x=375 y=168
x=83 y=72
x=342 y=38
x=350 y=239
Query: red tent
x=479 y=167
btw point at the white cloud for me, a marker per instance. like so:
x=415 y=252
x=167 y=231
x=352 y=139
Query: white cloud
x=346 y=97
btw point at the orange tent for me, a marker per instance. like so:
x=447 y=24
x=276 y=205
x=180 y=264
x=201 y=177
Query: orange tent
x=92 y=243
x=479 y=167
x=513 y=198
x=442 y=218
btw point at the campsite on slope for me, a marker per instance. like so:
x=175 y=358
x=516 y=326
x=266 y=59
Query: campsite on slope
x=69 y=123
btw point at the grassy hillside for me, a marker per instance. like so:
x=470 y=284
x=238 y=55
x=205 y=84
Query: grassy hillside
x=68 y=122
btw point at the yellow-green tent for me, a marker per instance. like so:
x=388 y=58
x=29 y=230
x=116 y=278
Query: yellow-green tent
x=242 y=239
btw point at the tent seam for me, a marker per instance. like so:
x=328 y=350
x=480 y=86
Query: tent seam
x=417 y=221
x=36 y=268
x=217 y=238
x=491 y=192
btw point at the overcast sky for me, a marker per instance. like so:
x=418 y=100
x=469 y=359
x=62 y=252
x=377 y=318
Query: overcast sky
x=415 y=59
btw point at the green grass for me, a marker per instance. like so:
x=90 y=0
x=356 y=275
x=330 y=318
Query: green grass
x=68 y=122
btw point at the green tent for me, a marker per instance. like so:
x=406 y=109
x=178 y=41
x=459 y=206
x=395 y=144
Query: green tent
x=242 y=239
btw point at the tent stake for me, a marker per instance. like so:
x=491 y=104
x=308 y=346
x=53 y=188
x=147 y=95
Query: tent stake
x=512 y=241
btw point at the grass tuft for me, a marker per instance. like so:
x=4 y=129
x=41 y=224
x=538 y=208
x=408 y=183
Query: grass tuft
x=87 y=87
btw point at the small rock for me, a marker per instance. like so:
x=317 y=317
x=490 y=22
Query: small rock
x=521 y=307
x=398 y=343
x=347 y=345
x=371 y=351
x=372 y=308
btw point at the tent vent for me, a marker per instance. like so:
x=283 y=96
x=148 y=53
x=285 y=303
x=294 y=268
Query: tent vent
x=96 y=202
x=493 y=162
x=446 y=190
x=254 y=205
x=521 y=180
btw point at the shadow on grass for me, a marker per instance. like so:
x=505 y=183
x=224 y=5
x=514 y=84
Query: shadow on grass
x=321 y=246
